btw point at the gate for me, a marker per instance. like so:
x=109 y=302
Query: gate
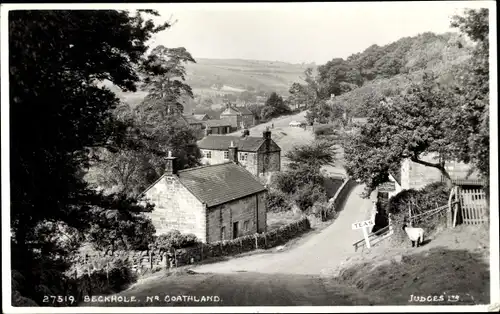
x=473 y=206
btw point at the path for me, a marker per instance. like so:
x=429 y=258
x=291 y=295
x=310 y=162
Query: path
x=323 y=251
x=270 y=279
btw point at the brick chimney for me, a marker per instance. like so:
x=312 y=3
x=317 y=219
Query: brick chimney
x=170 y=168
x=233 y=152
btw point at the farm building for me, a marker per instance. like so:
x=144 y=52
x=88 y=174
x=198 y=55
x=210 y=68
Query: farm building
x=239 y=117
x=259 y=155
x=216 y=202
x=216 y=127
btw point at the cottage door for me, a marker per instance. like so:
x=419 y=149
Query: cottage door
x=235 y=229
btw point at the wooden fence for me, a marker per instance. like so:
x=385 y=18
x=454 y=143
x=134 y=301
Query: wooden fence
x=374 y=238
x=473 y=206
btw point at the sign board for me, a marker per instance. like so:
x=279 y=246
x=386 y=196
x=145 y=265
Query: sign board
x=362 y=224
x=389 y=186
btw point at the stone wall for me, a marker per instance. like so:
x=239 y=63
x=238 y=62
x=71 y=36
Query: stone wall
x=176 y=208
x=248 y=212
x=248 y=120
x=233 y=119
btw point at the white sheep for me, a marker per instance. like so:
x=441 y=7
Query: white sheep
x=415 y=235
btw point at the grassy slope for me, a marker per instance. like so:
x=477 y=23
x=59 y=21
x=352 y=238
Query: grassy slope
x=454 y=262
x=277 y=76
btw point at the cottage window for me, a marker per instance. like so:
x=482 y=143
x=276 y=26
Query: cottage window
x=226 y=155
x=243 y=156
x=245 y=225
x=208 y=154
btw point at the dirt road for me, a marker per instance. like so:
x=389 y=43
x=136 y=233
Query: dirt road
x=323 y=251
x=270 y=279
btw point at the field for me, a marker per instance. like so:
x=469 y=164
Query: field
x=243 y=74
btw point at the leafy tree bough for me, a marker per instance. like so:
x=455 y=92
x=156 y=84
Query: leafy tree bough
x=59 y=115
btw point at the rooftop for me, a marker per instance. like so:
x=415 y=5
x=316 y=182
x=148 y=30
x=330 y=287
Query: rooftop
x=220 y=183
x=215 y=123
x=222 y=142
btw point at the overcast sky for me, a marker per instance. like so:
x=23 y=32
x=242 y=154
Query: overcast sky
x=299 y=32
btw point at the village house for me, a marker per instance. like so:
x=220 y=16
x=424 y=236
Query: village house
x=259 y=155
x=216 y=127
x=216 y=202
x=416 y=176
x=239 y=117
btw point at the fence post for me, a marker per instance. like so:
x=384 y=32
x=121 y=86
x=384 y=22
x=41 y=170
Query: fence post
x=201 y=251
x=175 y=257
x=151 y=260
x=256 y=242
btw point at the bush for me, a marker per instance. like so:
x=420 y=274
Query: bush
x=325 y=129
x=429 y=197
x=175 y=239
x=277 y=201
x=307 y=195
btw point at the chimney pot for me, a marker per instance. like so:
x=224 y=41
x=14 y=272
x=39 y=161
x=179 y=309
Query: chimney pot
x=171 y=168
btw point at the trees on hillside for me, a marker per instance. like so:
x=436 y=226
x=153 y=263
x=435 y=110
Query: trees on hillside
x=406 y=126
x=430 y=118
x=56 y=58
x=471 y=117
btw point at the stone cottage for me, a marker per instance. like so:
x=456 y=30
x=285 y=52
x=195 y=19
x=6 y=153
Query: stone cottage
x=259 y=155
x=239 y=117
x=216 y=202
x=216 y=127
x=416 y=176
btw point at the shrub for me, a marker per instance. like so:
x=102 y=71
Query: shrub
x=175 y=239
x=308 y=194
x=277 y=201
x=429 y=197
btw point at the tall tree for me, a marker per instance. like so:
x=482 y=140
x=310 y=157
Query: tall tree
x=410 y=125
x=471 y=117
x=164 y=78
x=312 y=156
x=57 y=114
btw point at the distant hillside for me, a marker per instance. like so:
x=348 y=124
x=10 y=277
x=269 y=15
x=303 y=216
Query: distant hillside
x=243 y=75
x=359 y=81
x=385 y=71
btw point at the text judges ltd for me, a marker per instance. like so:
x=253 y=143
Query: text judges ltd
x=152 y=299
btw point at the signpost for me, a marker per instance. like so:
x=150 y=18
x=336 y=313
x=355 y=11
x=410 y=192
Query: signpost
x=364 y=225
x=389 y=186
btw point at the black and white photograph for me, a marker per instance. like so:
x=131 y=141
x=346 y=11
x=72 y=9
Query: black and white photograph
x=249 y=157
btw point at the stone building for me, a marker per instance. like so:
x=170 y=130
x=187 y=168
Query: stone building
x=416 y=176
x=259 y=155
x=216 y=202
x=216 y=127
x=239 y=117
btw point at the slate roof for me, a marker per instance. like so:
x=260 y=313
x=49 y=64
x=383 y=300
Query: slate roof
x=215 y=123
x=397 y=175
x=199 y=116
x=191 y=120
x=222 y=142
x=220 y=183
x=237 y=110
x=244 y=110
